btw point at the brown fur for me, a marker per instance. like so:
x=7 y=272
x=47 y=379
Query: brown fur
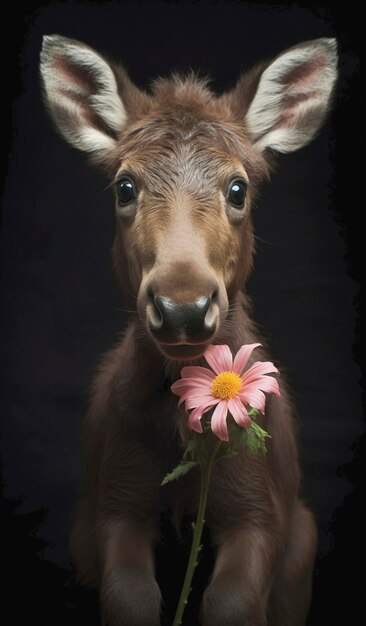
x=134 y=431
x=183 y=145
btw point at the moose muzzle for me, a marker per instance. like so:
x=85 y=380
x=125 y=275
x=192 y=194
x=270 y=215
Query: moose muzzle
x=194 y=323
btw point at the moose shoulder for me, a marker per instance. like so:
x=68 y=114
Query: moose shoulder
x=185 y=164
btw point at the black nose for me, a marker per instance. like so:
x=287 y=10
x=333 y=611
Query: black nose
x=184 y=322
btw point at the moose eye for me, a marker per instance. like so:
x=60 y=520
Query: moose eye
x=126 y=191
x=236 y=193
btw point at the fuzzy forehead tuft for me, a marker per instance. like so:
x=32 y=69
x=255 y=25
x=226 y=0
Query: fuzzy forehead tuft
x=183 y=88
x=184 y=112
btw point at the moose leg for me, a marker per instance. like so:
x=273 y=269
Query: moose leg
x=291 y=592
x=127 y=522
x=129 y=592
x=240 y=585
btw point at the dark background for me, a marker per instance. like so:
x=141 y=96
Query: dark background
x=61 y=307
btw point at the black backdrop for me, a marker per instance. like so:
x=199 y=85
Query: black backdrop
x=61 y=306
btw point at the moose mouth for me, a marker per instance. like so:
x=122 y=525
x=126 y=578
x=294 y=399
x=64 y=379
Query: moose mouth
x=183 y=351
x=182 y=324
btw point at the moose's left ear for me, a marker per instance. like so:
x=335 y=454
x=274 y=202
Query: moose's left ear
x=293 y=96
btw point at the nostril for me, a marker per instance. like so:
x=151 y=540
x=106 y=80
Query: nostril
x=150 y=294
x=215 y=296
x=212 y=314
x=154 y=311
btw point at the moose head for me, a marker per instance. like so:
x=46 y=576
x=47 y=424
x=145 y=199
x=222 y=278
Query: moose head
x=185 y=165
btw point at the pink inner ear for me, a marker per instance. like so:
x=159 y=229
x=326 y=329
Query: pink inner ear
x=303 y=75
x=89 y=115
x=300 y=84
x=290 y=104
x=79 y=86
x=80 y=78
x=288 y=117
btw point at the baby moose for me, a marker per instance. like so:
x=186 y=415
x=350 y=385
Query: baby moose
x=185 y=164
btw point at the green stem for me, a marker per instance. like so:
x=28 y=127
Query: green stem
x=206 y=470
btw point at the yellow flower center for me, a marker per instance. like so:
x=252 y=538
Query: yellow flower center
x=226 y=385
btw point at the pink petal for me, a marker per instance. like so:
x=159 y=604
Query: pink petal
x=197 y=413
x=187 y=384
x=218 y=421
x=253 y=396
x=194 y=419
x=239 y=413
x=259 y=368
x=265 y=383
x=193 y=402
x=182 y=393
x=193 y=399
x=268 y=384
x=197 y=372
x=242 y=357
x=184 y=390
x=189 y=388
x=178 y=388
x=219 y=358
x=194 y=395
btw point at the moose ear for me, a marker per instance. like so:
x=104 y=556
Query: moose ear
x=82 y=94
x=293 y=96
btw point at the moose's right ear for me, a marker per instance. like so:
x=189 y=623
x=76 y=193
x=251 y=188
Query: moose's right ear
x=82 y=94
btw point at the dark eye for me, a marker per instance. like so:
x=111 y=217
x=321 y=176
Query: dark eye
x=126 y=191
x=236 y=193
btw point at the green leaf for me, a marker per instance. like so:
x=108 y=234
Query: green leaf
x=253 y=438
x=183 y=468
x=259 y=431
x=253 y=413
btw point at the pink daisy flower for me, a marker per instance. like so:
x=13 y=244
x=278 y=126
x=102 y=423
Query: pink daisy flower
x=226 y=386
